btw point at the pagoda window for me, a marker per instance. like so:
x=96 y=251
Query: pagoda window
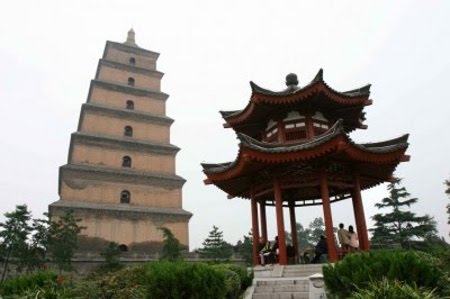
x=131 y=81
x=125 y=196
x=128 y=131
x=126 y=161
x=132 y=61
x=271 y=133
x=320 y=124
x=295 y=126
x=130 y=105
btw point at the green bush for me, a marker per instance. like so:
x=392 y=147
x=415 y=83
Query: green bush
x=181 y=280
x=232 y=282
x=356 y=271
x=245 y=277
x=386 y=289
x=123 y=284
x=26 y=282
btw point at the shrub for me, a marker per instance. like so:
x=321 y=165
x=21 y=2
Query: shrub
x=356 y=271
x=232 y=282
x=122 y=284
x=180 y=280
x=245 y=277
x=386 y=289
x=26 y=282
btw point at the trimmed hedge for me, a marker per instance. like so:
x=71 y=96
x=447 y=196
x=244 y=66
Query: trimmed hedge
x=180 y=280
x=356 y=271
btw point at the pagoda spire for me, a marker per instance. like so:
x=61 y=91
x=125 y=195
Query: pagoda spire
x=131 y=38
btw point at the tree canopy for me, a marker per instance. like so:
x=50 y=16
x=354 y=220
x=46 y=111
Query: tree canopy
x=214 y=247
x=399 y=225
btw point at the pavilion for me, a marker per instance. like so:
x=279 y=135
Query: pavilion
x=295 y=151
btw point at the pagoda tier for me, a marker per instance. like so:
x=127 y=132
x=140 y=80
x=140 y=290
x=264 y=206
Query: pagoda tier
x=297 y=166
x=120 y=178
x=294 y=151
x=267 y=106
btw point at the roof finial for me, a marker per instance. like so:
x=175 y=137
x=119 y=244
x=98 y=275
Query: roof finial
x=291 y=80
x=130 y=38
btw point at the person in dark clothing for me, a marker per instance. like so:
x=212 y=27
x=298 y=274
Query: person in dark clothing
x=321 y=248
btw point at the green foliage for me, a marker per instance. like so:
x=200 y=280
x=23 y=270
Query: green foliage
x=171 y=250
x=63 y=240
x=214 y=247
x=232 y=283
x=180 y=280
x=245 y=249
x=392 y=289
x=399 y=226
x=122 y=284
x=308 y=237
x=111 y=255
x=14 y=233
x=447 y=191
x=356 y=271
x=26 y=283
x=244 y=276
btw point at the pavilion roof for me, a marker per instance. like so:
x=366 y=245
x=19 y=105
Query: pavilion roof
x=316 y=95
x=257 y=161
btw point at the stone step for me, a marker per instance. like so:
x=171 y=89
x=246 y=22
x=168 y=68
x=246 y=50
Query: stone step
x=301 y=270
x=281 y=289
x=303 y=295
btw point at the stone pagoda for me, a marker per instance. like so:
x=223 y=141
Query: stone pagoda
x=295 y=151
x=120 y=175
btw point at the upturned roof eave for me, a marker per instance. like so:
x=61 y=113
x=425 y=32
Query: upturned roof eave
x=262 y=96
x=332 y=141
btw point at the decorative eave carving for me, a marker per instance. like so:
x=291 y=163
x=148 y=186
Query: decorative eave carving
x=121 y=211
x=127 y=67
x=124 y=114
x=112 y=86
x=119 y=175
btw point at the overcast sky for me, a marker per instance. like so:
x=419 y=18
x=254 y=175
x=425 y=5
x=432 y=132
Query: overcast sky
x=210 y=50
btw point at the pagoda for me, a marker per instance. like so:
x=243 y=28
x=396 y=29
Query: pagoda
x=120 y=176
x=295 y=151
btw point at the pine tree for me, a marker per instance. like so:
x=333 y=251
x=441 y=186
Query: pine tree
x=214 y=247
x=171 y=250
x=63 y=240
x=448 y=194
x=14 y=234
x=400 y=225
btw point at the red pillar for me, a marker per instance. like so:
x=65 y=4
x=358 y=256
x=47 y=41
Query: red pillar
x=332 y=253
x=360 y=218
x=255 y=231
x=280 y=222
x=262 y=212
x=293 y=228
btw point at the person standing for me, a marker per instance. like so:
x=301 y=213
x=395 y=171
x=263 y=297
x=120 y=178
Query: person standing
x=344 y=238
x=354 y=241
x=321 y=248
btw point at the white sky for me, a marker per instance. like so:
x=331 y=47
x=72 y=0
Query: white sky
x=210 y=50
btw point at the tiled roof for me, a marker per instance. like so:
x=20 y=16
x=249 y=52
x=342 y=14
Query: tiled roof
x=387 y=146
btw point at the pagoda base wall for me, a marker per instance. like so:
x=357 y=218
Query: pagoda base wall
x=132 y=226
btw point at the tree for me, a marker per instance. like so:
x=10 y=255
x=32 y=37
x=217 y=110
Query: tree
x=14 y=234
x=447 y=182
x=215 y=247
x=400 y=226
x=317 y=229
x=245 y=248
x=308 y=237
x=171 y=250
x=111 y=255
x=63 y=240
